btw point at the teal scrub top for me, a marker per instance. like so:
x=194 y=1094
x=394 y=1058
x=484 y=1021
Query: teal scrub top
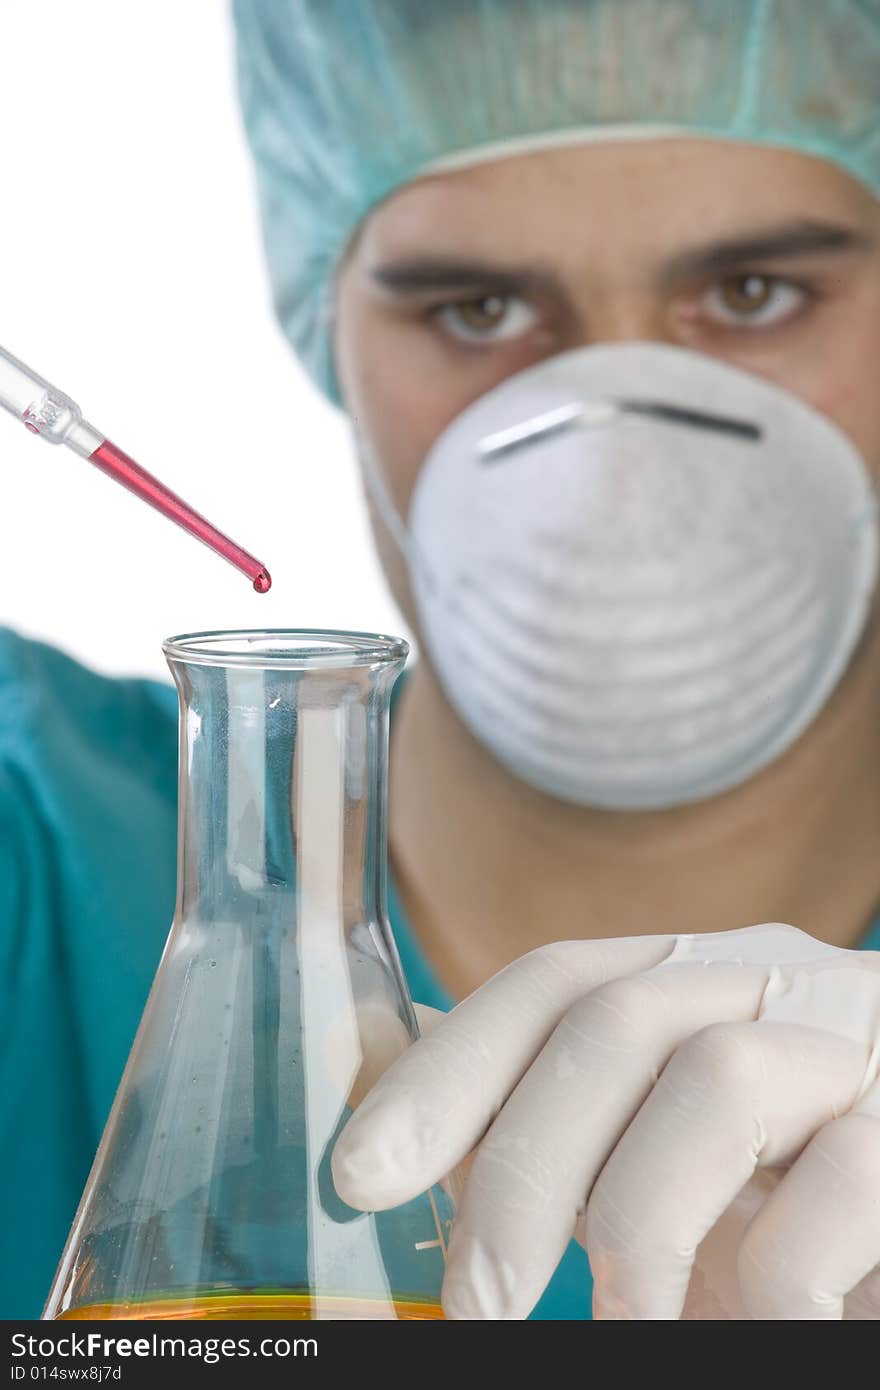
x=88 y=836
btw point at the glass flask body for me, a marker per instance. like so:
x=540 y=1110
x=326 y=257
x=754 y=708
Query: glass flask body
x=278 y=999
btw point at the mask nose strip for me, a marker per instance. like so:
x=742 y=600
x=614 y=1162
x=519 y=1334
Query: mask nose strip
x=597 y=413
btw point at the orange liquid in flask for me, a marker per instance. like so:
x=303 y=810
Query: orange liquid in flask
x=271 y=1305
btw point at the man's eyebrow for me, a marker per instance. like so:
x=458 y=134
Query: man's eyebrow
x=428 y=274
x=788 y=240
x=421 y=274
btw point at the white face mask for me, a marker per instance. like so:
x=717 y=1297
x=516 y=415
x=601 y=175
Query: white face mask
x=633 y=611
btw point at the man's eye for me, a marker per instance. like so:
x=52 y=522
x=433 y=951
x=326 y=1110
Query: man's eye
x=494 y=318
x=753 y=301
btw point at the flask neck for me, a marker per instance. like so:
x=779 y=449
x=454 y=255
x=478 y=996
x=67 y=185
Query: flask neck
x=283 y=782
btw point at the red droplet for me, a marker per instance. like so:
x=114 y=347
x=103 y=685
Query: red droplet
x=263 y=582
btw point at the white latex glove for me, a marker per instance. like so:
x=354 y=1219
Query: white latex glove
x=648 y=1094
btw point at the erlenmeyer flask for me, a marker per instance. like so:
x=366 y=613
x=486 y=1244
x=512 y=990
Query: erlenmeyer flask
x=278 y=992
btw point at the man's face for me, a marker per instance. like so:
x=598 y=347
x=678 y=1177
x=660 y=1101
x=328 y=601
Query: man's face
x=762 y=258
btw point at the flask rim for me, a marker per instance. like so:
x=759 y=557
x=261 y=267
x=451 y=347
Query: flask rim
x=287 y=649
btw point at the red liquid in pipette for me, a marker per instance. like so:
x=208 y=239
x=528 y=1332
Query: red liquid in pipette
x=130 y=474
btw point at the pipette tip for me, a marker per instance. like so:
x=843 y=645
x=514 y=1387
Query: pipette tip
x=263 y=582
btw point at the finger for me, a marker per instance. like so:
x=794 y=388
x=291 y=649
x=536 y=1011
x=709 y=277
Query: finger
x=534 y=1169
x=452 y=1183
x=733 y=1097
x=383 y=1036
x=818 y=1236
x=713 y=1293
x=432 y=1107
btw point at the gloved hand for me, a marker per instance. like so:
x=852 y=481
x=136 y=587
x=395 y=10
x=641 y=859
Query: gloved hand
x=664 y=1098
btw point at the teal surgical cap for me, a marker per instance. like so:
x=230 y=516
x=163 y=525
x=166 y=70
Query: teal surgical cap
x=346 y=100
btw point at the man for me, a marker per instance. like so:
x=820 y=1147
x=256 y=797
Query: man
x=489 y=190
x=631 y=721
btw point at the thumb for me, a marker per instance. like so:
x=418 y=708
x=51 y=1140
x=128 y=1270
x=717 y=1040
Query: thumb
x=383 y=1038
x=380 y=1039
x=427 y=1017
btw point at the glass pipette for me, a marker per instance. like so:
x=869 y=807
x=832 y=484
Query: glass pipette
x=46 y=411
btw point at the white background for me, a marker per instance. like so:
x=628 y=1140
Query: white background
x=131 y=277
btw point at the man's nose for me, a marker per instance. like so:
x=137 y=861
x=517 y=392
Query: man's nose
x=624 y=318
